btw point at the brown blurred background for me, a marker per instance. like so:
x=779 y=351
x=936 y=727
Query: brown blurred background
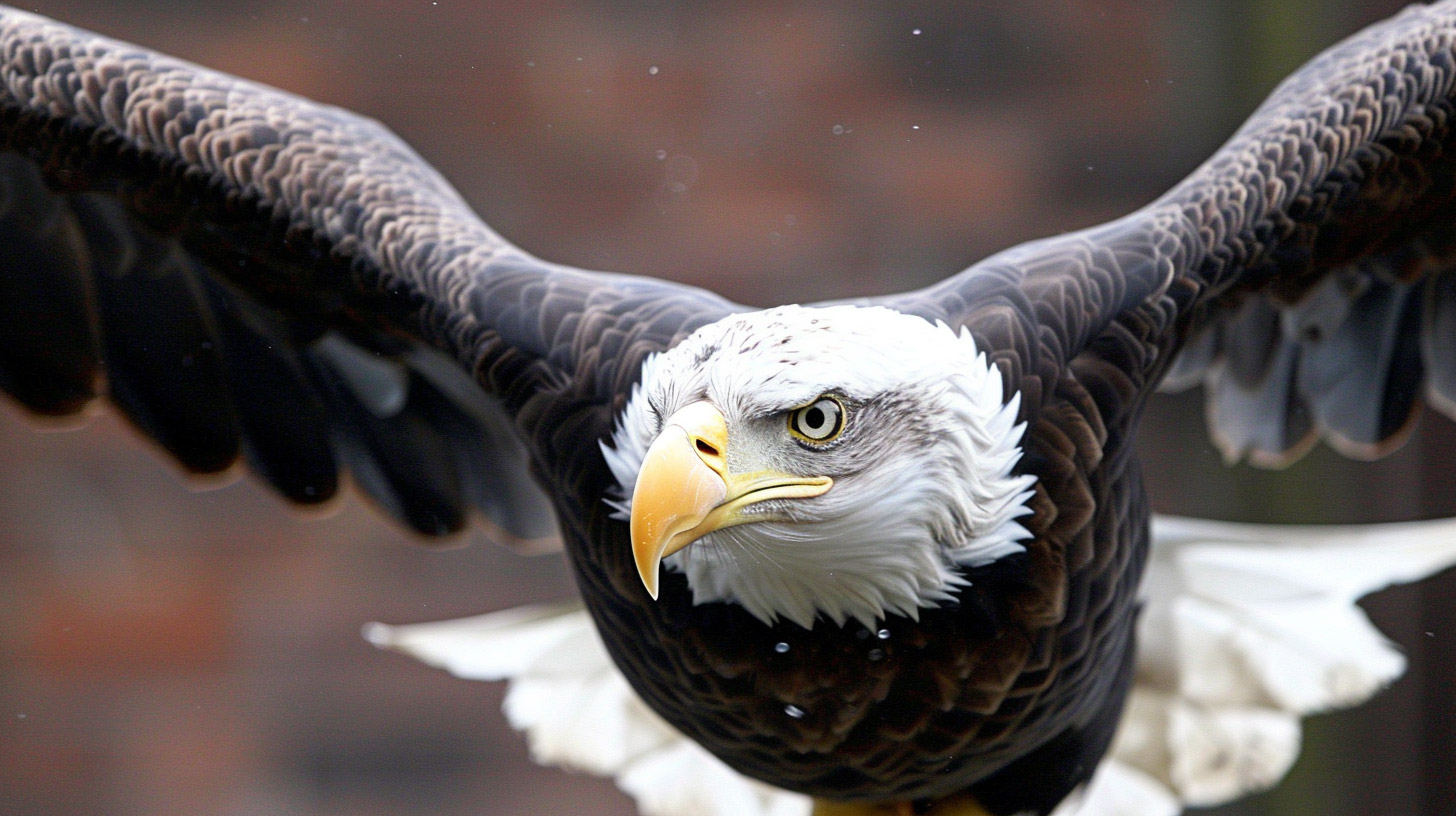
x=164 y=651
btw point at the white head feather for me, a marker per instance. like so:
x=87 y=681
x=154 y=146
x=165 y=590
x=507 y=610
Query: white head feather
x=922 y=473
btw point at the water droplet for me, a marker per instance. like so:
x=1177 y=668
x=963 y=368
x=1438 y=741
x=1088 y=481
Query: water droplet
x=883 y=634
x=781 y=647
x=652 y=70
x=794 y=711
x=914 y=127
x=837 y=130
x=875 y=654
x=661 y=155
x=915 y=31
x=862 y=634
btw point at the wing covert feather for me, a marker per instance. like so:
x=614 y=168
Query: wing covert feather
x=202 y=235
x=1332 y=207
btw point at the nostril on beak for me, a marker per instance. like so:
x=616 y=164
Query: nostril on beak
x=706 y=448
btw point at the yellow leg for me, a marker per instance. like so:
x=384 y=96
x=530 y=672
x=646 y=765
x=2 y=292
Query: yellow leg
x=955 y=806
x=825 y=808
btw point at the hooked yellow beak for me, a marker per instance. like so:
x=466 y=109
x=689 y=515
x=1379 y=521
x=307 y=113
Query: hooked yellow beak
x=685 y=491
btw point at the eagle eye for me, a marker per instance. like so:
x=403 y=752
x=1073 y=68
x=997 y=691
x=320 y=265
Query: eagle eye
x=818 y=422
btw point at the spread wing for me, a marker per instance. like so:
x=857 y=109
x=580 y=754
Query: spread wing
x=251 y=277
x=1305 y=270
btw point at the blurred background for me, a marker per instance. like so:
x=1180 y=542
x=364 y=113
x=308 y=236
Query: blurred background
x=170 y=651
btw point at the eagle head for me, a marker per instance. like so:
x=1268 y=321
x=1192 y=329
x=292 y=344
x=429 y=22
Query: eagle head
x=841 y=461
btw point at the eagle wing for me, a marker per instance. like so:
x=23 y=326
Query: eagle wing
x=249 y=276
x=1305 y=271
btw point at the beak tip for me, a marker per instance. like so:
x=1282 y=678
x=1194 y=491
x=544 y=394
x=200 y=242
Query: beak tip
x=649 y=580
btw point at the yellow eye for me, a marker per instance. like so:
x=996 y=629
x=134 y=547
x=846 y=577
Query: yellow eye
x=818 y=422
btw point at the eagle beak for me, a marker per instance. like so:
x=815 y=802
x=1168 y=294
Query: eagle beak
x=685 y=491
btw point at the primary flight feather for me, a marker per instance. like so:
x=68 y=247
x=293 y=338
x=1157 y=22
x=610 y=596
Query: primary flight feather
x=880 y=552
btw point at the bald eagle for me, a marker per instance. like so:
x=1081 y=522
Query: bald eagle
x=885 y=553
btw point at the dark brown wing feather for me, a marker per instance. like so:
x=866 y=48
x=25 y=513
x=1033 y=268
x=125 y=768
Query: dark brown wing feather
x=1307 y=265
x=1340 y=247
x=248 y=275
x=321 y=234
x=1305 y=271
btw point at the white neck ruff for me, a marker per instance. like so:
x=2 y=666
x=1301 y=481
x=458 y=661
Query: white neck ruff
x=938 y=493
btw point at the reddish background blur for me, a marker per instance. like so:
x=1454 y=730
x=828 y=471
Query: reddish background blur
x=164 y=651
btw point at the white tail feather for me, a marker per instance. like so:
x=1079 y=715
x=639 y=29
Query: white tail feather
x=577 y=710
x=1118 y=789
x=1245 y=629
